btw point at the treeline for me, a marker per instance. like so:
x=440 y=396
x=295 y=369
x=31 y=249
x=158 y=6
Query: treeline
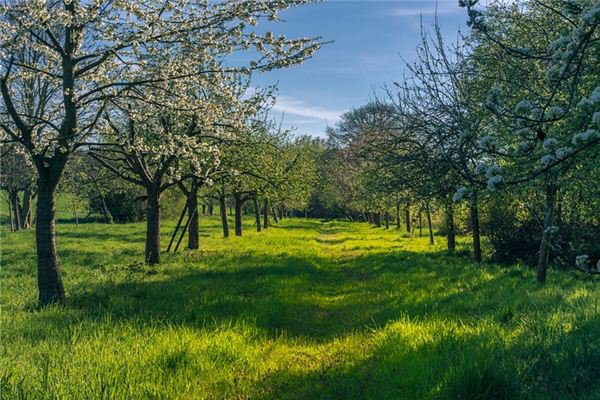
x=499 y=132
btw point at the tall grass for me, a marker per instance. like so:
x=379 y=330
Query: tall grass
x=305 y=310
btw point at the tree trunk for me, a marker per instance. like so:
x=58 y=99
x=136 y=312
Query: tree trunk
x=16 y=212
x=203 y=209
x=387 y=220
x=281 y=212
x=223 y=208
x=407 y=216
x=256 y=213
x=429 y=225
x=27 y=212
x=108 y=218
x=545 y=244
x=398 y=226
x=74 y=205
x=377 y=217
x=274 y=215
x=194 y=225
x=305 y=213
x=266 y=214
x=211 y=209
x=450 y=227
x=10 y=212
x=238 y=213
x=420 y=222
x=50 y=284
x=152 y=253
x=475 y=226
x=230 y=211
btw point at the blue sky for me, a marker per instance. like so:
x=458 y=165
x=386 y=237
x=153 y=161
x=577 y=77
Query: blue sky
x=371 y=38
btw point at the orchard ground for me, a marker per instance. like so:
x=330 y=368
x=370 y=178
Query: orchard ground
x=308 y=309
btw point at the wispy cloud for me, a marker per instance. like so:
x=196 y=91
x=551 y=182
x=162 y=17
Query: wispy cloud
x=411 y=9
x=289 y=105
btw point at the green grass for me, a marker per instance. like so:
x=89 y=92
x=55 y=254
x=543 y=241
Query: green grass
x=305 y=310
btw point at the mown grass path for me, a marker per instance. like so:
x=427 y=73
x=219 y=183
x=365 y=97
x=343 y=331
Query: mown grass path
x=306 y=310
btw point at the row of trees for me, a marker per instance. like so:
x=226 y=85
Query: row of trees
x=148 y=90
x=506 y=119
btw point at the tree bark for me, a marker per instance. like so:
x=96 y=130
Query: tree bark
x=387 y=220
x=398 y=226
x=407 y=216
x=420 y=222
x=377 y=217
x=256 y=213
x=429 y=225
x=16 y=212
x=211 y=209
x=194 y=226
x=266 y=214
x=545 y=244
x=51 y=289
x=450 y=227
x=238 y=213
x=152 y=251
x=223 y=209
x=108 y=218
x=274 y=215
x=475 y=226
x=27 y=212
x=74 y=205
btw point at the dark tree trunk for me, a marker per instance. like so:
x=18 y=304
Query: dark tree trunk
x=398 y=226
x=274 y=215
x=266 y=214
x=305 y=213
x=11 y=217
x=545 y=242
x=377 y=217
x=223 y=208
x=281 y=212
x=152 y=253
x=50 y=284
x=420 y=223
x=387 y=220
x=194 y=225
x=230 y=211
x=108 y=218
x=475 y=226
x=15 y=209
x=256 y=213
x=238 y=213
x=203 y=209
x=74 y=205
x=27 y=212
x=407 y=216
x=450 y=227
x=429 y=225
x=211 y=208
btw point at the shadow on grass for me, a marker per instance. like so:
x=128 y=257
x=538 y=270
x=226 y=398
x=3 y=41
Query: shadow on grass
x=316 y=298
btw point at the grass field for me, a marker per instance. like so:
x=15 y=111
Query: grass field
x=306 y=310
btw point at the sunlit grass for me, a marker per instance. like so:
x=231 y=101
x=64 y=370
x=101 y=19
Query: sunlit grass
x=306 y=310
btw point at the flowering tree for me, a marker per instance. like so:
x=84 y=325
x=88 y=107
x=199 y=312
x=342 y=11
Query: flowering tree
x=63 y=62
x=16 y=177
x=545 y=96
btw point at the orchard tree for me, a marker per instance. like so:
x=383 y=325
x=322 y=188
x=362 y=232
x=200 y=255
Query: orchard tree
x=63 y=62
x=543 y=58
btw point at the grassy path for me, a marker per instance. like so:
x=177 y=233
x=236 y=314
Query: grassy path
x=305 y=310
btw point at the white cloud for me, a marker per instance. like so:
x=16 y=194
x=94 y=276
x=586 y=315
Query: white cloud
x=426 y=8
x=299 y=108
